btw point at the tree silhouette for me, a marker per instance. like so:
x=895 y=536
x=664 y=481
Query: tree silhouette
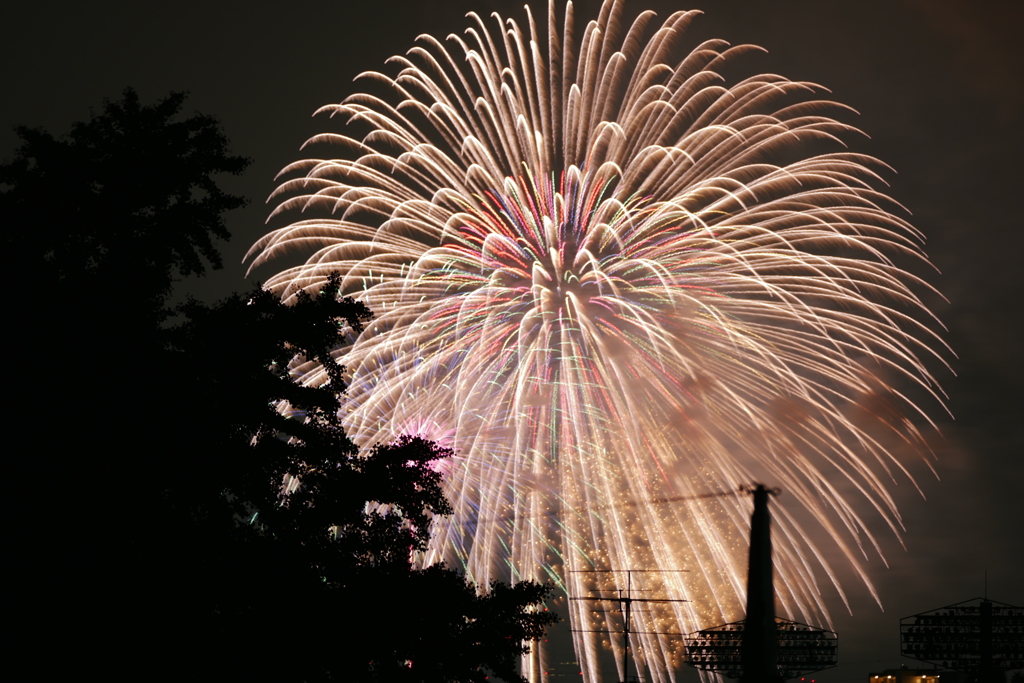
x=97 y=225
x=313 y=569
x=154 y=536
x=122 y=205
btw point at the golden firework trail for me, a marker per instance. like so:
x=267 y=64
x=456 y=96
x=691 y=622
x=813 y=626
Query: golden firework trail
x=606 y=276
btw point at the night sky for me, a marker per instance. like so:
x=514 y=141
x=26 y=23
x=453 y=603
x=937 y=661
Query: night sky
x=939 y=87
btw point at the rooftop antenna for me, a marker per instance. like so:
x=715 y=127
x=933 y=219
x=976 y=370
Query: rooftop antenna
x=626 y=600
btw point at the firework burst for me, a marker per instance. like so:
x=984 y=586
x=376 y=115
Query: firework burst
x=600 y=275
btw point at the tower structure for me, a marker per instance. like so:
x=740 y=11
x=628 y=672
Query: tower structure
x=762 y=648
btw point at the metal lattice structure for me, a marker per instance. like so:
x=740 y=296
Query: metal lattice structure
x=802 y=649
x=976 y=635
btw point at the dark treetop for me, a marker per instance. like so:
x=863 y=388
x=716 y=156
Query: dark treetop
x=154 y=536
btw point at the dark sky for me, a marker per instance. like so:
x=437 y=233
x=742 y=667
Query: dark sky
x=939 y=85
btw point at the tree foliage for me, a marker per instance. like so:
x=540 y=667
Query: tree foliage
x=96 y=226
x=186 y=509
x=341 y=537
x=125 y=203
